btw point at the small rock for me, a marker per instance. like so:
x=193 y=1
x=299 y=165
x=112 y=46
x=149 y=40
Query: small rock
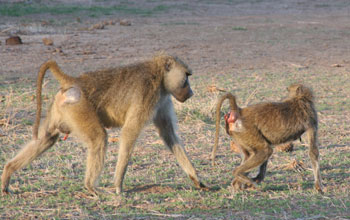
x=97 y=26
x=111 y=22
x=125 y=22
x=45 y=23
x=337 y=65
x=87 y=52
x=58 y=50
x=47 y=41
x=14 y=40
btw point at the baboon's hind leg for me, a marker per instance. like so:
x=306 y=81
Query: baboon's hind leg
x=256 y=158
x=86 y=126
x=47 y=137
x=262 y=169
x=314 y=156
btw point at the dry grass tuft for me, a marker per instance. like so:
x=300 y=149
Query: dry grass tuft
x=295 y=165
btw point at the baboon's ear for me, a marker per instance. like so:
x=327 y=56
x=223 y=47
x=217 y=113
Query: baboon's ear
x=300 y=90
x=168 y=64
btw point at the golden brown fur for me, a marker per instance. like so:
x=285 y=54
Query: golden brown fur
x=125 y=97
x=286 y=147
x=272 y=123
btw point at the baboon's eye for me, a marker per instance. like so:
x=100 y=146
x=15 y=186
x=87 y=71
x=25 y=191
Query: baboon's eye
x=185 y=82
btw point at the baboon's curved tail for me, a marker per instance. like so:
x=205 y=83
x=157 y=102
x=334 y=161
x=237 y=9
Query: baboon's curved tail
x=63 y=79
x=234 y=108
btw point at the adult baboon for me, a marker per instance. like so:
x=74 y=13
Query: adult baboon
x=257 y=127
x=125 y=97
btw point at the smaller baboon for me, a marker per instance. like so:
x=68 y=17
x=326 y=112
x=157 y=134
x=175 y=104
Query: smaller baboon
x=230 y=124
x=126 y=97
x=257 y=127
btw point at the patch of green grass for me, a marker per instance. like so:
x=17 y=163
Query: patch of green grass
x=196 y=114
x=238 y=28
x=20 y=9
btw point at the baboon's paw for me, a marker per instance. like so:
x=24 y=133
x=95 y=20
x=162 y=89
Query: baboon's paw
x=203 y=187
x=5 y=191
x=318 y=188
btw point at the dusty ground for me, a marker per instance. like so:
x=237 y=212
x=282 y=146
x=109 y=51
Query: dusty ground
x=211 y=37
x=252 y=48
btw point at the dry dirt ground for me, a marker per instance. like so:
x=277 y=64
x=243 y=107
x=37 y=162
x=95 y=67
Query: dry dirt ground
x=253 y=48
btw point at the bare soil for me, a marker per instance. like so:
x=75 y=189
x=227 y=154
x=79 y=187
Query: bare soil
x=253 y=48
x=212 y=37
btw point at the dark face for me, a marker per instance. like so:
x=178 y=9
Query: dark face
x=176 y=79
x=183 y=92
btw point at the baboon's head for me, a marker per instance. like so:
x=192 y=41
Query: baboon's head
x=176 y=78
x=299 y=91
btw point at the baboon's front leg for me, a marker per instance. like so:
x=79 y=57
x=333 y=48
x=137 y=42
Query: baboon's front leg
x=314 y=156
x=29 y=152
x=165 y=121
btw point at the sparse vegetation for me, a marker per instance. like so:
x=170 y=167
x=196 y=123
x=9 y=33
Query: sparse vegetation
x=239 y=29
x=256 y=65
x=25 y=9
